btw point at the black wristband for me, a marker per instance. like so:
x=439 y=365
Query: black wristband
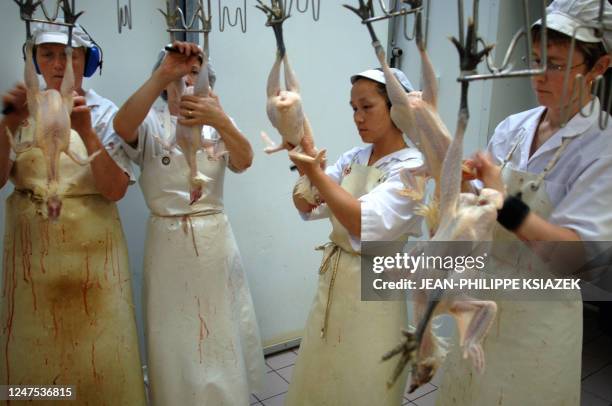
x=513 y=213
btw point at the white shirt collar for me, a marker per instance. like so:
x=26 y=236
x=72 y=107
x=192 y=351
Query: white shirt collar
x=402 y=155
x=576 y=126
x=93 y=99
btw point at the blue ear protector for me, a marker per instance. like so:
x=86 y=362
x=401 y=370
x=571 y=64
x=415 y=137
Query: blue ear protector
x=93 y=59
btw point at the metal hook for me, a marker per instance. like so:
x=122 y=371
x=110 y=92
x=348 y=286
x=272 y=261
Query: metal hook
x=26 y=10
x=239 y=16
x=177 y=22
x=124 y=16
x=54 y=16
x=206 y=20
x=366 y=13
x=276 y=14
x=599 y=86
x=414 y=7
x=171 y=16
x=469 y=56
x=70 y=18
x=600 y=82
x=506 y=70
x=315 y=5
x=28 y=7
x=467 y=46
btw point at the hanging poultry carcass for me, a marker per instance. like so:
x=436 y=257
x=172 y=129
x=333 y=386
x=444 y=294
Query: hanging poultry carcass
x=462 y=217
x=189 y=139
x=50 y=111
x=284 y=107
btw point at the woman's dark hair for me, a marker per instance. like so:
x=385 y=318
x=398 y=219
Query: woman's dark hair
x=380 y=88
x=592 y=51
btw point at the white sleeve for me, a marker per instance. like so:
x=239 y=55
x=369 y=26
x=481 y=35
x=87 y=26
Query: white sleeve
x=150 y=125
x=386 y=215
x=103 y=126
x=501 y=141
x=335 y=173
x=586 y=207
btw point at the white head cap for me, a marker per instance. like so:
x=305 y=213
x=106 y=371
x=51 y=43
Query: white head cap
x=567 y=15
x=52 y=33
x=377 y=75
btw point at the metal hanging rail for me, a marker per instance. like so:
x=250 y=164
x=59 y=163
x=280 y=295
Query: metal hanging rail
x=200 y=21
x=505 y=70
x=27 y=8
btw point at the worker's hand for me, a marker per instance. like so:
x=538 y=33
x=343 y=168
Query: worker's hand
x=17 y=99
x=488 y=172
x=468 y=170
x=304 y=168
x=178 y=64
x=80 y=118
x=195 y=110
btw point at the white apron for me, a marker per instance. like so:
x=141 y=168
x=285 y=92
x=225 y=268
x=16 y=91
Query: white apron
x=339 y=362
x=67 y=311
x=203 y=343
x=533 y=349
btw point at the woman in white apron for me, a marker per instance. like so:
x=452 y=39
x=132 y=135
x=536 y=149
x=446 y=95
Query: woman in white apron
x=344 y=338
x=66 y=309
x=203 y=344
x=558 y=187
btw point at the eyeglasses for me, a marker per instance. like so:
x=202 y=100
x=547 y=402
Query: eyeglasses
x=550 y=66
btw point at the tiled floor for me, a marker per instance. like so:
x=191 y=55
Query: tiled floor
x=277 y=381
x=596 y=373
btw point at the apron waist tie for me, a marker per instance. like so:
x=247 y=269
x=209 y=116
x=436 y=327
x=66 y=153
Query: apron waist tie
x=333 y=254
x=186 y=222
x=207 y=212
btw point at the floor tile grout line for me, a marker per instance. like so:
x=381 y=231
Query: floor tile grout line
x=273 y=396
x=597 y=395
x=283 y=378
x=421 y=395
x=286 y=366
x=596 y=371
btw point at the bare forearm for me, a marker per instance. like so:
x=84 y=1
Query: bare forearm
x=239 y=148
x=342 y=204
x=535 y=228
x=111 y=181
x=5 y=149
x=135 y=109
x=559 y=247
